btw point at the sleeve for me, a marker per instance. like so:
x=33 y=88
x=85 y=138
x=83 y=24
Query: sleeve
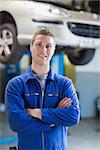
x=18 y=118
x=67 y=116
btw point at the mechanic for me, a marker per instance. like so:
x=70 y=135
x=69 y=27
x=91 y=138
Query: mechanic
x=41 y=104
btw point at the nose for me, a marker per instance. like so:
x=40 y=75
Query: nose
x=43 y=49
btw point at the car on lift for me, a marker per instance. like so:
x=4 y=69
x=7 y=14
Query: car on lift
x=77 y=33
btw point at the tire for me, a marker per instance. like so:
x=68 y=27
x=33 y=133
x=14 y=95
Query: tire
x=81 y=57
x=10 y=51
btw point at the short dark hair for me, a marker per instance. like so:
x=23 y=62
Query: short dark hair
x=42 y=31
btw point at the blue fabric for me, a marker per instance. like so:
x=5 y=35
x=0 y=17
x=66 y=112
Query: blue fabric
x=23 y=92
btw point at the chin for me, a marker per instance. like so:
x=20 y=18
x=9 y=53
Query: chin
x=41 y=63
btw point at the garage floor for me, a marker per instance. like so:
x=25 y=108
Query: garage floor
x=85 y=136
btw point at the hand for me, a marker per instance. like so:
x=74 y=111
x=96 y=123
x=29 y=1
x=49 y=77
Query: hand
x=64 y=103
x=36 y=112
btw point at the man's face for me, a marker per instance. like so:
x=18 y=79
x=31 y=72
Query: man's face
x=42 y=49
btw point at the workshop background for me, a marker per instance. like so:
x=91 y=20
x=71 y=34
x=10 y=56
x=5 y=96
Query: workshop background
x=83 y=70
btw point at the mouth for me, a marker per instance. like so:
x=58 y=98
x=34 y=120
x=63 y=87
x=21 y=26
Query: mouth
x=42 y=56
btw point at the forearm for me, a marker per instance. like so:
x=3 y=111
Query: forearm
x=21 y=122
x=61 y=116
x=36 y=113
x=58 y=116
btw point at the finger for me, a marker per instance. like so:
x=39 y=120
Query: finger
x=62 y=100
x=65 y=103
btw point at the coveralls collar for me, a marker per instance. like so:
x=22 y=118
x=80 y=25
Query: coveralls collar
x=31 y=75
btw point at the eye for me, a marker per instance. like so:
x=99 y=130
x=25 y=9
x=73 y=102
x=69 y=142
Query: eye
x=48 y=46
x=38 y=45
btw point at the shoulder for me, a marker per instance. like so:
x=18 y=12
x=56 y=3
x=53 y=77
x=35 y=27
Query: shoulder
x=15 y=85
x=64 y=84
x=16 y=81
x=63 y=81
x=62 y=78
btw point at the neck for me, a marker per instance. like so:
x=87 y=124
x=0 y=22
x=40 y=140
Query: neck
x=40 y=69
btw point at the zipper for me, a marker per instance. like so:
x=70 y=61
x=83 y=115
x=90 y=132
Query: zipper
x=42 y=132
x=42 y=140
x=43 y=148
x=43 y=94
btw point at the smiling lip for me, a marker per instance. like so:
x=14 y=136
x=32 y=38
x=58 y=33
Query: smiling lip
x=42 y=56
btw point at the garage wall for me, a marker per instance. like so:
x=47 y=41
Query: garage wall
x=88 y=85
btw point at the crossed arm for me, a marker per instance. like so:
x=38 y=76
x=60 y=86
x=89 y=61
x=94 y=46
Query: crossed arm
x=21 y=120
x=37 y=112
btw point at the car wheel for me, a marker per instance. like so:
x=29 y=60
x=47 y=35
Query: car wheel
x=81 y=57
x=10 y=51
x=8 y=42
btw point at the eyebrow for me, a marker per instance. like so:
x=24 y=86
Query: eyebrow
x=42 y=42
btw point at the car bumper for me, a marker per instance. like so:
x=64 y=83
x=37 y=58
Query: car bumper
x=63 y=35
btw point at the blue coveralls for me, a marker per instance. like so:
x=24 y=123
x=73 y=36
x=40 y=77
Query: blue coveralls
x=23 y=92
